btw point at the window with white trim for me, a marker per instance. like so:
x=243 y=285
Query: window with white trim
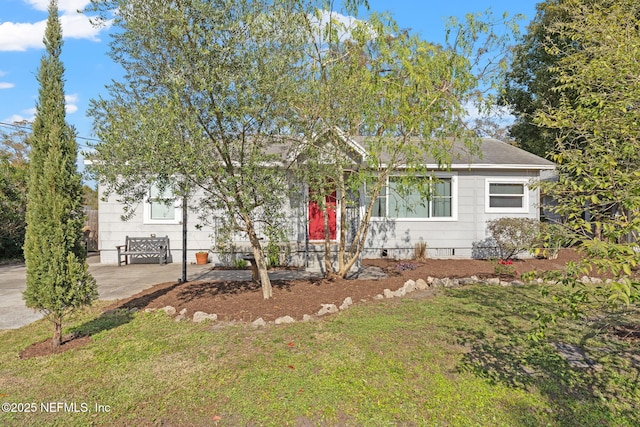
x=439 y=204
x=160 y=207
x=507 y=196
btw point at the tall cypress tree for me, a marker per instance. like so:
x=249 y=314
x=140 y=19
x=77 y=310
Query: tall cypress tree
x=58 y=280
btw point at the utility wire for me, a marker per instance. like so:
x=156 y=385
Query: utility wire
x=25 y=127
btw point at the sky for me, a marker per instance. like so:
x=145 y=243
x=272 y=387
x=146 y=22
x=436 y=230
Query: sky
x=88 y=68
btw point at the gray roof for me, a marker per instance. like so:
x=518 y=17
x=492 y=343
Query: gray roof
x=498 y=153
x=491 y=154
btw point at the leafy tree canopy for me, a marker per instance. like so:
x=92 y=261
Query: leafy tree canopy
x=596 y=118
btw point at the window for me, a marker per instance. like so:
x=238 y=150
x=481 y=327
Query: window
x=160 y=207
x=511 y=196
x=413 y=205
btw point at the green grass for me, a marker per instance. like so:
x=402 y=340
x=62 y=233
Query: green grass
x=459 y=359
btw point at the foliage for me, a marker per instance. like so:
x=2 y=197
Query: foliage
x=553 y=237
x=240 y=263
x=514 y=235
x=203 y=105
x=401 y=98
x=504 y=267
x=278 y=253
x=90 y=197
x=58 y=280
x=13 y=191
x=404 y=266
x=420 y=250
x=597 y=193
x=531 y=80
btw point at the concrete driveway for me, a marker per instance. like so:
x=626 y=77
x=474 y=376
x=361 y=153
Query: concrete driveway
x=113 y=283
x=117 y=283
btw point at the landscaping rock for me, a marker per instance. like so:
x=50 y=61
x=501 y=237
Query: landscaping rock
x=346 y=303
x=388 y=293
x=284 y=319
x=372 y=273
x=201 y=316
x=378 y=297
x=327 y=309
x=169 y=310
x=421 y=285
x=466 y=281
x=447 y=282
x=409 y=286
x=400 y=293
x=259 y=322
x=493 y=281
x=307 y=318
x=574 y=356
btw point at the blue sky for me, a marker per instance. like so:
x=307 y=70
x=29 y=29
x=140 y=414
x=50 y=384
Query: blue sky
x=88 y=68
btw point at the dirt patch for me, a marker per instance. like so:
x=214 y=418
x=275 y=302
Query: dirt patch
x=242 y=301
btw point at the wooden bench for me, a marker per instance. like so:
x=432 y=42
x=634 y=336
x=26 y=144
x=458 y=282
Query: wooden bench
x=144 y=247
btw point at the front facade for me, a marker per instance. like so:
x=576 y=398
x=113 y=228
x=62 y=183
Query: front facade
x=472 y=191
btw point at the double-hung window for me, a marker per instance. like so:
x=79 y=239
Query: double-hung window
x=436 y=203
x=160 y=207
x=506 y=196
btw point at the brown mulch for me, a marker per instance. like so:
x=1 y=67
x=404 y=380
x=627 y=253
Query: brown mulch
x=243 y=301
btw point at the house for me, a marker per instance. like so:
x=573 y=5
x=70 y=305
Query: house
x=474 y=189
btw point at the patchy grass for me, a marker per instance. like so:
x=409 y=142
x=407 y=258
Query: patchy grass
x=459 y=359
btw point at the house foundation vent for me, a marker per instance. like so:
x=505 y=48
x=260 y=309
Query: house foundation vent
x=444 y=252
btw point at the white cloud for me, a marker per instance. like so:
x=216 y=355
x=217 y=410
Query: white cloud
x=20 y=36
x=70 y=103
x=6 y=85
x=65 y=6
x=18 y=118
x=498 y=114
x=345 y=23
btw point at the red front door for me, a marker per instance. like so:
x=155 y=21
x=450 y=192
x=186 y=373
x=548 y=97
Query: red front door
x=316 y=218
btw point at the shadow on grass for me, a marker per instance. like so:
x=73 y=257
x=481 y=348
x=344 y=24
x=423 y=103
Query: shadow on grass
x=604 y=392
x=123 y=311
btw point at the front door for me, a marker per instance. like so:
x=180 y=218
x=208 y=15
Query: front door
x=316 y=217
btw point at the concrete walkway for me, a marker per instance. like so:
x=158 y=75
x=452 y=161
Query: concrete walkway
x=114 y=283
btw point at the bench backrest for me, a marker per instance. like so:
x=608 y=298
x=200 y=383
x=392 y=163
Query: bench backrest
x=146 y=243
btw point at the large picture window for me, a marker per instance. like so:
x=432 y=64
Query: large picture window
x=160 y=207
x=510 y=196
x=438 y=204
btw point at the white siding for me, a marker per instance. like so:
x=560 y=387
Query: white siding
x=447 y=239
x=444 y=238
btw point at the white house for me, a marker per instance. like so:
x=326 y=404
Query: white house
x=471 y=191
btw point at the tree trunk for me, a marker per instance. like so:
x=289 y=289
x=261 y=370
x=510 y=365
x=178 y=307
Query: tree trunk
x=265 y=282
x=56 y=340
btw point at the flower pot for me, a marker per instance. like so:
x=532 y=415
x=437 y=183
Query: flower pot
x=202 y=257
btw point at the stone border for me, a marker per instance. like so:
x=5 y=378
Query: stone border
x=408 y=287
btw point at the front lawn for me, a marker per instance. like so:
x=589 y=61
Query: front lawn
x=461 y=358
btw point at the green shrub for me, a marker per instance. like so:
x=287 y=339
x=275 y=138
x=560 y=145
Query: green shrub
x=514 y=235
x=240 y=264
x=553 y=237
